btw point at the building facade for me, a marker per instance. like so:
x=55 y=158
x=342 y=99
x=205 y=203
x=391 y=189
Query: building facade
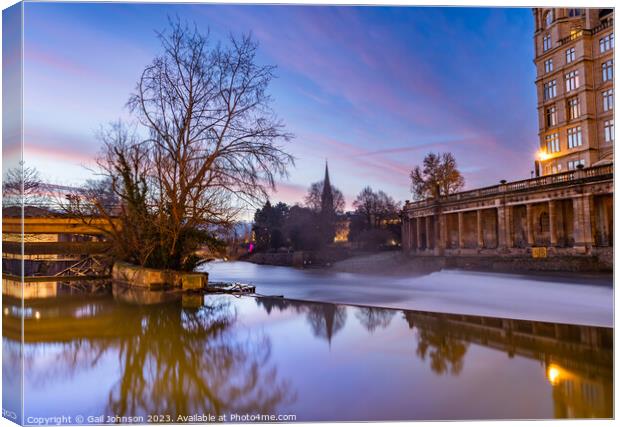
x=568 y=213
x=574 y=58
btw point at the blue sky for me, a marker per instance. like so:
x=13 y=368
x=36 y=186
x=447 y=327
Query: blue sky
x=371 y=89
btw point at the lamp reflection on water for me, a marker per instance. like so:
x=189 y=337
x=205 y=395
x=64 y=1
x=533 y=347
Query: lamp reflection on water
x=553 y=373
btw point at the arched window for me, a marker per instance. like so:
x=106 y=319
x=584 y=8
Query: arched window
x=548 y=18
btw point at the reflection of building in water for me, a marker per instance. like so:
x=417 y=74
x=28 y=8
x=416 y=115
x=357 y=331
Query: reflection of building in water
x=579 y=395
x=578 y=359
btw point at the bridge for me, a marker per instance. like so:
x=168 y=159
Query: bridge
x=52 y=248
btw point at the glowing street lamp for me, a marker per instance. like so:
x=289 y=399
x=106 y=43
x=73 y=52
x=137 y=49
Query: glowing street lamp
x=542 y=155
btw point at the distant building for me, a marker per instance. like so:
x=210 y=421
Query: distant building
x=574 y=57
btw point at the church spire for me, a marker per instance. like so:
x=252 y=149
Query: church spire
x=327 y=198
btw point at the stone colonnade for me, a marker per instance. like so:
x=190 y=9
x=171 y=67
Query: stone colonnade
x=579 y=222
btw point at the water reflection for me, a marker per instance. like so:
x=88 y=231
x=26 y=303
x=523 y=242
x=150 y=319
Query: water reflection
x=173 y=354
x=324 y=319
x=372 y=318
x=172 y=360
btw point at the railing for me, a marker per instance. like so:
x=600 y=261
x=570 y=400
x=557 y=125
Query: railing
x=526 y=184
x=605 y=24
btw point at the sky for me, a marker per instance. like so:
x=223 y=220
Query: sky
x=370 y=89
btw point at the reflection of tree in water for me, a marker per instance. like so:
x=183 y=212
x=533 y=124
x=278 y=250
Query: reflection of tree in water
x=172 y=360
x=324 y=319
x=372 y=318
x=445 y=352
x=188 y=361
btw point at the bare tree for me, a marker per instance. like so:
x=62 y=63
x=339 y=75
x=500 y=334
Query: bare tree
x=313 y=199
x=212 y=143
x=23 y=185
x=375 y=207
x=438 y=177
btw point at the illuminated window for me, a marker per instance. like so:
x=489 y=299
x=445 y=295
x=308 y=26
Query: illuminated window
x=572 y=80
x=550 y=89
x=608 y=70
x=574 y=109
x=609 y=131
x=552 y=117
x=606 y=43
x=608 y=100
x=570 y=55
x=546 y=42
x=548 y=65
x=574 y=137
x=553 y=143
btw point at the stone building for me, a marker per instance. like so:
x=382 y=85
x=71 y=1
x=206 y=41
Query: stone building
x=574 y=57
x=569 y=209
x=566 y=213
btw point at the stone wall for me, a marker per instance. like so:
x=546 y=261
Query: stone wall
x=150 y=278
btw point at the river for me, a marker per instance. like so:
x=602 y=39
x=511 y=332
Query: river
x=135 y=356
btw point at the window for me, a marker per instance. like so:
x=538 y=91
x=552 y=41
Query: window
x=548 y=65
x=574 y=137
x=570 y=55
x=606 y=43
x=574 y=109
x=550 y=89
x=553 y=143
x=575 y=33
x=572 y=80
x=609 y=131
x=575 y=12
x=608 y=100
x=572 y=165
x=546 y=42
x=552 y=117
x=549 y=18
x=608 y=70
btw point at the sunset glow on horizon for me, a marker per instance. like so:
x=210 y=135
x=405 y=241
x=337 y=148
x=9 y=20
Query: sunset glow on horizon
x=371 y=89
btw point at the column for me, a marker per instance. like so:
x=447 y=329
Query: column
x=419 y=232
x=553 y=234
x=479 y=229
x=443 y=232
x=582 y=213
x=427 y=223
x=404 y=232
x=529 y=223
x=461 y=231
x=413 y=244
x=510 y=241
x=437 y=235
x=501 y=231
x=603 y=224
